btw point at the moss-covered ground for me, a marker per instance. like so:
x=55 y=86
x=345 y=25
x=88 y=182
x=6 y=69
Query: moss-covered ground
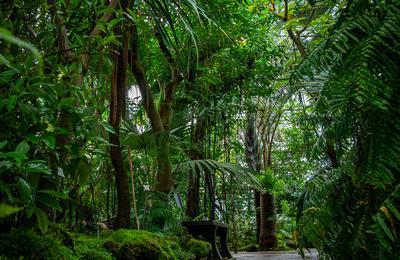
x=121 y=244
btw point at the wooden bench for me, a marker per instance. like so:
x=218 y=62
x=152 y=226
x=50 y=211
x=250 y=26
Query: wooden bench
x=209 y=230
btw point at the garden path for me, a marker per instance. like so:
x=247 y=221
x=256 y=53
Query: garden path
x=276 y=255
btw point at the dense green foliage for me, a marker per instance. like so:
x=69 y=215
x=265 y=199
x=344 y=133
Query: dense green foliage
x=279 y=118
x=356 y=205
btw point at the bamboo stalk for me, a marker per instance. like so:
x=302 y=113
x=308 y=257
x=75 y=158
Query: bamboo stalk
x=133 y=189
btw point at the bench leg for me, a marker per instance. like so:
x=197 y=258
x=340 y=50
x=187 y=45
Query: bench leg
x=210 y=237
x=224 y=244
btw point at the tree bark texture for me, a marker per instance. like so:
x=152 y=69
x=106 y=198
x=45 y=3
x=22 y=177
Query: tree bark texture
x=118 y=86
x=253 y=162
x=196 y=153
x=268 y=222
x=159 y=125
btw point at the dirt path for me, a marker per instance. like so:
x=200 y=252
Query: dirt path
x=277 y=255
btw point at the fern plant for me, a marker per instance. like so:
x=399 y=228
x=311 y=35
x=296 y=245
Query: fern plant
x=353 y=211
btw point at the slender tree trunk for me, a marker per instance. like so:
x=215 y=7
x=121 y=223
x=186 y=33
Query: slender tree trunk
x=254 y=162
x=133 y=190
x=193 y=196
x=164 y=181
x=164 y=168
x=118 y=86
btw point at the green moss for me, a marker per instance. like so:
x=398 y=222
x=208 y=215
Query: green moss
x=121 y=244
x=27 y=244
x=198 y=249
x=133 y=244
x=88 y=248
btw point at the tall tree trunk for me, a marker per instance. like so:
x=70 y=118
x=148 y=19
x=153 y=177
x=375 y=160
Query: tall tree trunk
x=118 y=86
x=193 y=195
x=164 y=180
x=257 y=212
x=268 y=222
x=254 y=162
x=196 y=153
x=268 y=238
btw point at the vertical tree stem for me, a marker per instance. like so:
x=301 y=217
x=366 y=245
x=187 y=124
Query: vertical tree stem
x=133 y=189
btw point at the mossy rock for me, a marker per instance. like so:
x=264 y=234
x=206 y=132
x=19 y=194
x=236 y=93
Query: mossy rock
x=88 y=248
x=197 y=248
x=121 y=244
x=134 y=244
x=27 y=244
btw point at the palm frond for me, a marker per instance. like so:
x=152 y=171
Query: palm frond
x=239 y=173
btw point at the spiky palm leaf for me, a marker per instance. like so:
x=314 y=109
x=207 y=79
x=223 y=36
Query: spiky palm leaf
x=239 y=173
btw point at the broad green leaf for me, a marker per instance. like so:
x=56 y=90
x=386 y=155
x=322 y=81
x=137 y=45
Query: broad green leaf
x=12 y=101
x=32 y=138
x=84 y=172
x=108 y=127
x=50 y=140
x=139 y=141
x=67 y=102
x=49 y=201
x=42 y=220
x=6 y=164
x=22 y=147
x=16 y=155
x=112 y=23
x=54 y=193
x=7 y=36
x=3 y=144
x=6 y=210
x=37 y=168
x=25 y=191
x=7 y=75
